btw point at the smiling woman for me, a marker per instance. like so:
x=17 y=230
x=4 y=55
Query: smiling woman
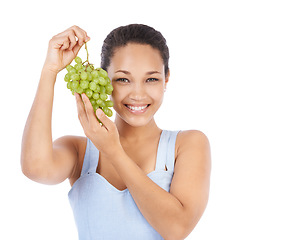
x=138 y=78
x=130 y=179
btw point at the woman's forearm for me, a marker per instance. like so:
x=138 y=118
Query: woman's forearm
x=37 y=135
x=161 y=209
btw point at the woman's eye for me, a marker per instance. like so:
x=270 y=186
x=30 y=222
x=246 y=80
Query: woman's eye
x=152 y=79
x=124 y=80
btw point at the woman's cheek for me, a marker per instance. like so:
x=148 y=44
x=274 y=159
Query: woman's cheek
x=157 y=93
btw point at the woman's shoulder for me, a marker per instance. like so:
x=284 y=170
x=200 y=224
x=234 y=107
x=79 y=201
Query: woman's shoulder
x=191 y=139
x=192 y=135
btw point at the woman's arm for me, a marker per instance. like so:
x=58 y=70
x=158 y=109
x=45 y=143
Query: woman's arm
x=41 y=159
x=174 y=214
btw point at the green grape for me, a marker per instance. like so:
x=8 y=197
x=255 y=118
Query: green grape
x=109 y=103
x=109 y=87
x=92 y=86
x=80 y=71
x=67 y=77
x=78 y=66
x=102 y=81
x=94 y=74
x=79 y=90
x=89 y=77
x=95 y=95
x=96 y=80
x=72 y=70
x=74 y=85
x=102 y=73
x=103 y=96
x=97 y=88
x=69 y=85
x=102 y=89
x=78 y=60
x=107 y=111
x=69 y=67
x=100 y=103
x=75 y=77
x=108 y=82
x=83 y=77
x=93 y=101
x=89 y=93
x=84 y=84
x=89 y=69
x=95 y=107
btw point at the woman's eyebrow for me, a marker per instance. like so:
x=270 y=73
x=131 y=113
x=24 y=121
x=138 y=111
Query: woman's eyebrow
x=152 y=72
x=123 y=71
x=128 y=73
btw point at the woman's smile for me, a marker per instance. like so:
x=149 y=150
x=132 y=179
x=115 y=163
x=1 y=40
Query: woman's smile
x=137 y=108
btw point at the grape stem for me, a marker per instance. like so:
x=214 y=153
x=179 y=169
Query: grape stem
x=87 y=53
x=87 y=60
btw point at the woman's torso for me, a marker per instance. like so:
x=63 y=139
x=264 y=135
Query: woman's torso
x=143 y=153
x=100 y=200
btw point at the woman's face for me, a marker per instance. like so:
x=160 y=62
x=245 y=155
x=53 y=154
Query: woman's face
x=138 y=78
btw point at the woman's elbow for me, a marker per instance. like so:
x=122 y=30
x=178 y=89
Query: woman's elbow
x=30 y=169
x=179 y=231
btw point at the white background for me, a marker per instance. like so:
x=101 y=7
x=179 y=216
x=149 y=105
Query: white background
x=228 y=79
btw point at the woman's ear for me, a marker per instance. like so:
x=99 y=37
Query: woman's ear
x=166 y=79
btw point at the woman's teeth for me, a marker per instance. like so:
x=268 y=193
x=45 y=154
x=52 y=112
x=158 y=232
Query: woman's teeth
x=137 y=108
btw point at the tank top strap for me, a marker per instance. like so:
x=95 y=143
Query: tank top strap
x=166 y=150
x=90 y=159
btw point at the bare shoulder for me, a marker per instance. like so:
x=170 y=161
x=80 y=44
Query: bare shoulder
x=192 y=155
x=192 y=133
x=191 y=140
x=192 y=160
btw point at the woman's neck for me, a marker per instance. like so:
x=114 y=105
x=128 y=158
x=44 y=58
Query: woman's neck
x=135 y=134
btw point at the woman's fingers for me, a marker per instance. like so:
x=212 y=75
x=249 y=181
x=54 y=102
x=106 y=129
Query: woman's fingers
x=73 y=41
x=71 y=37
x=87 y=115
x=89 y=109
x=64 y=47
x=80 y=34
x=91 y=116
x=65 y=44
x=82 y=116
x=109 y=125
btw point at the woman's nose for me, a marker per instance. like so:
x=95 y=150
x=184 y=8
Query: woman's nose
x=137 y=92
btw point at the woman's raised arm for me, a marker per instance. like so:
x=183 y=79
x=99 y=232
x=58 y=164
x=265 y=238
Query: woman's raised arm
x=41 y=159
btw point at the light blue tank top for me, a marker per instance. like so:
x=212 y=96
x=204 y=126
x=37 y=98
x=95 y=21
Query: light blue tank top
x=101 y=211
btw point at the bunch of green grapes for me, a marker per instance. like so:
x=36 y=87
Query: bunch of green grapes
x=94 y=82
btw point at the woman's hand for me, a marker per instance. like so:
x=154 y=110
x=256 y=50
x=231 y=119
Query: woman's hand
x=104 y=136
x=64 y=47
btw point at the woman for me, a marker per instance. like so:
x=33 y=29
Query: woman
x=129 y=178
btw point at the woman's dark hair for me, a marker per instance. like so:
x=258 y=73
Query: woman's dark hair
x=134 y=33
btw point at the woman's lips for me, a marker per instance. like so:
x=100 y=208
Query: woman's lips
x=137 y=108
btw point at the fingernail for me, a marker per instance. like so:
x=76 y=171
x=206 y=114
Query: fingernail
x=99 y=112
